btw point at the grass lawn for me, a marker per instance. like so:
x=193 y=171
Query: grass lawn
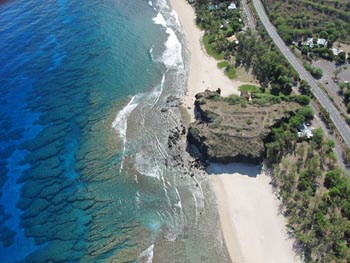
x=222 y=64
x=250 y=88
x=210 y=50
x=231 y=72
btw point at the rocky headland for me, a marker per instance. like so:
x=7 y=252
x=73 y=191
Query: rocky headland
x=230 y=129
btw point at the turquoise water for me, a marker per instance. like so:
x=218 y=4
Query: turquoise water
x=85 y=171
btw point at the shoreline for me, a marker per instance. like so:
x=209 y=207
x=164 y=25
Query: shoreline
x=252 y=227
x=203 y=73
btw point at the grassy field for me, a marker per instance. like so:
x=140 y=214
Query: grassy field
x=210 y=49
x=222 y=64
x=250 y=88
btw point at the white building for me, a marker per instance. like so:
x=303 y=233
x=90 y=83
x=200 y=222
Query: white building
x=305 y=132
x=232 y=6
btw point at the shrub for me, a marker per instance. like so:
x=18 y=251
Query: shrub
x=249 y=88
x=233 y=99
x=222 y=64
x=231 y=72
x=301 y=99
x=209 y=48
x=250 y=121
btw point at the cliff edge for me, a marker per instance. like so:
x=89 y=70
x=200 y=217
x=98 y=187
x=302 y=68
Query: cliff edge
x=230 y=129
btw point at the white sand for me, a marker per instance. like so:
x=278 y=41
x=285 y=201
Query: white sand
x=204 y=73
x=253 y=230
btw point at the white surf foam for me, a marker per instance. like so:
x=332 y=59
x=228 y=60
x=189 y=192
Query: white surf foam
x=145 y=166
x=172 y=56
x=147 y=255
x=121 y=123
x=155 y=95
x=159 y=20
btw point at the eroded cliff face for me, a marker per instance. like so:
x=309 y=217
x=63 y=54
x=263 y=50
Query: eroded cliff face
x=234 y=129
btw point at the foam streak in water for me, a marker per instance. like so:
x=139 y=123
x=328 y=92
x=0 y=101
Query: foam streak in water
x=158 y=92
x=121 y=123
x=147 y=255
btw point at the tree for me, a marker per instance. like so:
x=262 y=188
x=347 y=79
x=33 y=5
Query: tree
x=346 y=94
x=316 y=73
x=305 y=50
x=341 y=58
x=318 y=137
x=304 y=88
x=307 y=112
x=275 y=89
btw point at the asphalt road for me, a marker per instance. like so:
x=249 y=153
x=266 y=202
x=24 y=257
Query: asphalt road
x=249 y=15
x=339 y=122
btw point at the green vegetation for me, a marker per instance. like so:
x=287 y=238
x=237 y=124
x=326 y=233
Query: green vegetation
x=249 y=88
x=250 y=121
x=298 y=19
x=222 y=64
x=269 y=66
x=230 y=72
x=233 y=99
x=345 y=91
x=304 y=88
x=209 y=47
x=315 y=192
x=315 y=72
x=316 y=195
x=264 y=99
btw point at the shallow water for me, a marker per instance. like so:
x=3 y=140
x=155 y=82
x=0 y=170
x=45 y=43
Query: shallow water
x=85 y=169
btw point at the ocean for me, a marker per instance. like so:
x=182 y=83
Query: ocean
x=86 y=171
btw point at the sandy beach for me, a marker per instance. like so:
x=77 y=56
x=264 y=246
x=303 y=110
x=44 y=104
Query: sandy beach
x=204 y=73
x=253 y=229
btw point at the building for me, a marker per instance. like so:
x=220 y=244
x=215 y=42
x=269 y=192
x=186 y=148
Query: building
x=232 y=6
x=310 y=42
x=233 y=38
x=224 y=24
x=305 y=132
x=322 y=42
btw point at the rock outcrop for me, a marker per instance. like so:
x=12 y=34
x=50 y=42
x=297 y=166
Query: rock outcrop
x=233 y=129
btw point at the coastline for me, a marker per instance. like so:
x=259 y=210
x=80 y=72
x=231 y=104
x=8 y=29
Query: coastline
x=204 y=73
x=252 y=227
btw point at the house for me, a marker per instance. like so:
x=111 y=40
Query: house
x=224 y=24
x=233 y=38
x=322 y=42
x=305 y=131
x=232 y=6
x=336 y=51
x=308 y=42
x=213 y=7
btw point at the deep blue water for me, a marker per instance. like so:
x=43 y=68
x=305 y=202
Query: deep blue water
x=64 y=65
